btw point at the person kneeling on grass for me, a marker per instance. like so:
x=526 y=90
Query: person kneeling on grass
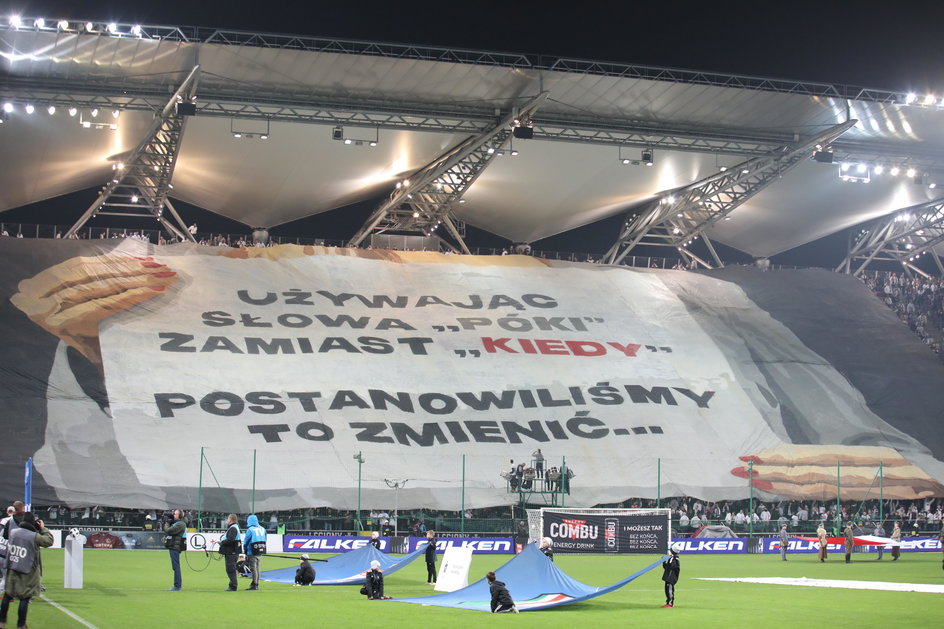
x=374 y=583
x=502 y=602
x=305 y=574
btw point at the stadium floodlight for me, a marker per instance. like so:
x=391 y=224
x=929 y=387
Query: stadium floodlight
x=52 y=110
x=89 y=27
x=39 y=22
x=136 y=30
x=911 y=172
x=73 y=111
x=8 y=107
x=16 y=21
x=115 y=113
x=894 y=171
x=930 y=99
x=910 y=97
x=112 y=28
x=63 y=25
x=879 y=169
x=29 y=108
x=94 y=113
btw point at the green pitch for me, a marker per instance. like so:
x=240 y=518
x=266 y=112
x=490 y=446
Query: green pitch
x=125 y=589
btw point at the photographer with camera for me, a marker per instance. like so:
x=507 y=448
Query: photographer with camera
x=25 y=565
x=175 y=541
x=254 y=546
x=229 y=548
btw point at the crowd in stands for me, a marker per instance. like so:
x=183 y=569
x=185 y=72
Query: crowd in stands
x=918 y=302
x=688 y=515
x=493 y=520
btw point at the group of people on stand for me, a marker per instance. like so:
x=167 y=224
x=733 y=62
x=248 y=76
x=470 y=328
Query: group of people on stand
x=528 y=477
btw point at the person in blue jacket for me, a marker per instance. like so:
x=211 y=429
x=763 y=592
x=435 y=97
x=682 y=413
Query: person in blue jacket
x=254 y=546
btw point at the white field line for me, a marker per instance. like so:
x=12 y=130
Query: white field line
x=839 y=583
x=68 y=613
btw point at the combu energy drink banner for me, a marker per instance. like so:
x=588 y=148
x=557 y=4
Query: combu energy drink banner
x=592 y=533
x=308 y=376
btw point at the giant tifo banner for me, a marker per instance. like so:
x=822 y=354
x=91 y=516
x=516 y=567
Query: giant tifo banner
x=617 y=534
x=303 y=376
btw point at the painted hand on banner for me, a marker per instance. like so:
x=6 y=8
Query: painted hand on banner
x=812 y=472
x=71 y=298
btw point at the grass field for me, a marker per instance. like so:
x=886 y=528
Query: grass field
x=127 y=589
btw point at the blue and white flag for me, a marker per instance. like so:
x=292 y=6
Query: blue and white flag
x=28 y=485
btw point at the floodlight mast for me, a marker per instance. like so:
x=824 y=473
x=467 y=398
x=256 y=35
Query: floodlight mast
x=396 y=486
x=426 y=199
x=141 y=182
x=678 y=217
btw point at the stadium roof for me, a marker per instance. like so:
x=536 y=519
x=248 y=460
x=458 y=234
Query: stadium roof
x=592 y=123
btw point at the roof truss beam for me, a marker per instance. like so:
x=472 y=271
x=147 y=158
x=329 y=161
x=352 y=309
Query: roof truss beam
x=901 y=237
x=227 y=102
x=424 y=201
x=679 y=217
x=197 y=35
x=140 y=183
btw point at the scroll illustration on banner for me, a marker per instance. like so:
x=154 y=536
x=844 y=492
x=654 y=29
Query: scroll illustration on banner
x=302 y=355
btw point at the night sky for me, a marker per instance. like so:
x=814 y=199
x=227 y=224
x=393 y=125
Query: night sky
x=886 y=45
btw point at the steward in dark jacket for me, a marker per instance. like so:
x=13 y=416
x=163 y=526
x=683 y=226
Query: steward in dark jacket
x=670 y=574
x=430 y=557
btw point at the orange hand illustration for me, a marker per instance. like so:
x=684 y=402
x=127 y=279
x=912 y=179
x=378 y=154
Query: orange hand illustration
x=71 y=298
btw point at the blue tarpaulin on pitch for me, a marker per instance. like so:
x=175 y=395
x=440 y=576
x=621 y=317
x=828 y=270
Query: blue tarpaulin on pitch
x=347 y=568
x=534 y=583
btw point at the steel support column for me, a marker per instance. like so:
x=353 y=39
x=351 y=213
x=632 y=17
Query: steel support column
x=139 y=185
x=677 y=218
x=900 y=237
x=424 y=201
